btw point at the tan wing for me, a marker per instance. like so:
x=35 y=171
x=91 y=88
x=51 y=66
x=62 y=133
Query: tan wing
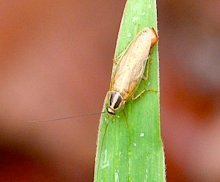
x=132 y=64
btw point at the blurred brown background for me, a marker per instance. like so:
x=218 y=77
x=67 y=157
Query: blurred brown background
x=56 y=61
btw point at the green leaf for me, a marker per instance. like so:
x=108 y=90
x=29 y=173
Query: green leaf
x=129 y=144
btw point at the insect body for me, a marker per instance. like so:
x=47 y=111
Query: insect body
x=131 y=69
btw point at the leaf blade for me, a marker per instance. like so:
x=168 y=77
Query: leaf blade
x=129 y=145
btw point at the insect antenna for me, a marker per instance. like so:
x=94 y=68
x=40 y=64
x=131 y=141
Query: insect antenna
x=67 y=117
x=61 y=118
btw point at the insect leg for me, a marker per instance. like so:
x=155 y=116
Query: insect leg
x=126 y=118
x=146 y=74
x=142 y=92
x=117 y=59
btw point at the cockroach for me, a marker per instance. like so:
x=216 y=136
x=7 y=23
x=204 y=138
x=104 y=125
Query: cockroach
x=130 y=70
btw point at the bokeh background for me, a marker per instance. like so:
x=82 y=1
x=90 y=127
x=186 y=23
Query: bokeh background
x=56 y=59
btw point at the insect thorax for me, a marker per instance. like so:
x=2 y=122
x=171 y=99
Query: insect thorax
x=115 y=102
